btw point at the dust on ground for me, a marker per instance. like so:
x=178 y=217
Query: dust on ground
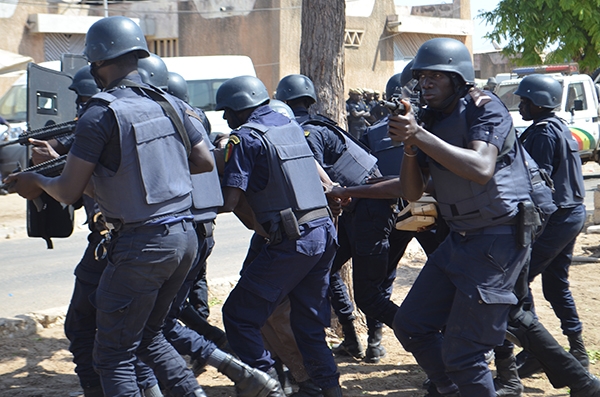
x=40 y=365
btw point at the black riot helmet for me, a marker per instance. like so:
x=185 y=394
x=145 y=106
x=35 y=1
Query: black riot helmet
x=295 y=86
x=240 y=93
x=112 y=37
x=541 y=90
x=445 y=55
x=177 y=86
x=399 y=80
x=153 y=71
x=83 y=83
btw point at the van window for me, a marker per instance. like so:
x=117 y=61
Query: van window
x=13 y=105
x=203 y=93
x=506 y=93
x=574 y=93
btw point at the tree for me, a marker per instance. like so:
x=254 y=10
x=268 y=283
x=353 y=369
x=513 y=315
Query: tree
x=534 y=26
x=322 y=54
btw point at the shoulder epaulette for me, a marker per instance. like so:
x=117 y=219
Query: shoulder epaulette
x=480 y=98
x=105 y=97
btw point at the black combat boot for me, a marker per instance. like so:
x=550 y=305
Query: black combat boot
x=592 y=389
x=374 y=349
x=507 y=382
x=351 y=345
x=577 y=349
x=527 y=365
x=250 y=382
x=282 y=376
x=432 y=391
x=333 y=392
x=308 y=388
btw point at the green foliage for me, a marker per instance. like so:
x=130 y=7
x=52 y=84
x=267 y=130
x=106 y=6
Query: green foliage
x=530 y=27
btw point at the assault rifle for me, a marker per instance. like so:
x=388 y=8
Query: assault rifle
x=408 y=93
x=50 y=168
x=44 y=133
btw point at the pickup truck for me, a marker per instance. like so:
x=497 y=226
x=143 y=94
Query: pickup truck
x=579 y=106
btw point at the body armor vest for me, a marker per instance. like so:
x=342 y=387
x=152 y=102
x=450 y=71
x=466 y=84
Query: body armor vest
x=293 y=179
x=153 y=178
x=355 y=165
x=467 y=205
x=389 y=156
x=569 y=189
x=206 y=194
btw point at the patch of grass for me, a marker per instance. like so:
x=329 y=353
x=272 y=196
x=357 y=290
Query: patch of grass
x=214 y=301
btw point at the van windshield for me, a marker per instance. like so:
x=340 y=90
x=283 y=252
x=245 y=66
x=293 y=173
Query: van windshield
x=506 y=93
x=203 y=93
x=13 y=105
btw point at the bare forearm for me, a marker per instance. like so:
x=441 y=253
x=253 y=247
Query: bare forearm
x=388 y=189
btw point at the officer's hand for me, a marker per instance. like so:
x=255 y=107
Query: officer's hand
x=42 y=151
x=25 y=184
x=335 y=205
x=402 y=128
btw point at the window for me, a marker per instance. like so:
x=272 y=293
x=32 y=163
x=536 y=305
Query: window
x=576 y=92
x=164 y=47
x=353 y=38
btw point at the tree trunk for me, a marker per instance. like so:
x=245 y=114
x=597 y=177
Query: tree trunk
x=322 y=60
x=322 y=55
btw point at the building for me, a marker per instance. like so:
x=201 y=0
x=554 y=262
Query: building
x=380 y=38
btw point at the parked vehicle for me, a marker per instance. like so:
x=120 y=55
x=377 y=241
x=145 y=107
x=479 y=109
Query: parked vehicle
x=13 y=107
x=579 y=106
x=204 y=75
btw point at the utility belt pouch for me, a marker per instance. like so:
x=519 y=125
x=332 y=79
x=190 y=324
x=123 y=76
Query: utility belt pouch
x=528 y=220
x=290 y=224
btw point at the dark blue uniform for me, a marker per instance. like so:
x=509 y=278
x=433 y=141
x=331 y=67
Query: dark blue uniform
x=154 y=246
x=356 y=125
x=466 y=286
x=297 y=268
x=550 y=143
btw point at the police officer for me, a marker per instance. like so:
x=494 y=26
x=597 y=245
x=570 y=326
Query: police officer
x=550 y=143
x=348 y=164
x=138 y=146
x=268 y=161
x=207 y=197
x=358 y=113
x=466 y=286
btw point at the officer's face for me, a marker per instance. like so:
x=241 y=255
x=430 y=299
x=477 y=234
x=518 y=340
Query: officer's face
x=525 y=109
x=233 y=121
x=436 y=87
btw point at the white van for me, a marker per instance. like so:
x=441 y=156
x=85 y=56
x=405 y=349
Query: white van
x=204 y=75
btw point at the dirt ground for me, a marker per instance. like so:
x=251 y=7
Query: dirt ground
x=40 y=365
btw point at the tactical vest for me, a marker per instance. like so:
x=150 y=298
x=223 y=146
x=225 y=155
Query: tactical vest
x=389 y=156
x=467 y=205
x=293 y=179
x=206 y=193
x=355 y=165
x=569 y=189
x=153 y=178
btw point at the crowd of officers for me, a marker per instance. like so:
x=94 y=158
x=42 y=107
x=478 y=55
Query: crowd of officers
x=316 y=196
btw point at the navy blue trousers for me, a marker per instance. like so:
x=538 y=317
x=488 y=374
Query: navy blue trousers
x=551 y=257
x=298 y=269
x=80 y=322
x=185 y=340
x=466 y=287
x=146 y=267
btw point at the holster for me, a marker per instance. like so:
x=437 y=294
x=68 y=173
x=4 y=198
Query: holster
x=528 y=220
